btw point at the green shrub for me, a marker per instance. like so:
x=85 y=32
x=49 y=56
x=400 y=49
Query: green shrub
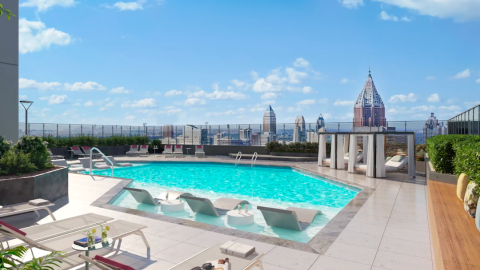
x=13 y=163
x=467 y=159
x=155 y=142
x=86 y=140
x=441 y=150
x=296 y=147
x=4 y=146
x=37 y=148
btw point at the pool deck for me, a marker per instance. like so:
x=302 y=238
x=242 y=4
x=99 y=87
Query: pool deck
x=389 y=230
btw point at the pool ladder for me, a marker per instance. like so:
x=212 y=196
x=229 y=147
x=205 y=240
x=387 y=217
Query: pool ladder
x=238 y=157
x=254 y=159
x=107 y=160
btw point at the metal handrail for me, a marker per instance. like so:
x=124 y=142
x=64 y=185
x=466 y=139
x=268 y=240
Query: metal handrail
x=101 y=153
x=238 y=157
x=254 y=159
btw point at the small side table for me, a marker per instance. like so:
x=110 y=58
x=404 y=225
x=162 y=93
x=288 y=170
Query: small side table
x=172 y=205
x=187 y=150
x=96 y=247
x=242 y=218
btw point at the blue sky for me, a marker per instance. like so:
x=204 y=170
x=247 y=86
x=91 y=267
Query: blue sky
x=190 y=62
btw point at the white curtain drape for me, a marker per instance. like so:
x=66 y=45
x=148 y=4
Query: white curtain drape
x=411 y=156
x=322 y=149
x=380 y=156
x=352 y=155
x=340 y=155
x=370 y=165
x=365 y=149
x=333 y=152
x=346 y=144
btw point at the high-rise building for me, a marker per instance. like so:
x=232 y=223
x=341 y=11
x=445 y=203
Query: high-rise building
x=432 y=128
x=167 y=131
x=269 y=121
x=245 y=134
x=299 y=132
x=312 y=136
x=369 y=110
x=255 y=139
x=320 y=124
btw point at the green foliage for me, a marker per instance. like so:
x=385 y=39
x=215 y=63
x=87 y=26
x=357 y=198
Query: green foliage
x=6 y=11
x=6 y=262
x=86 y=140
x=49 y=262
x=467 y=159
x=13 y=163
x=441 y=150
x=37 y=148
x=297 y=147
x=420 y=151
x=155 y=142
x=4 y=146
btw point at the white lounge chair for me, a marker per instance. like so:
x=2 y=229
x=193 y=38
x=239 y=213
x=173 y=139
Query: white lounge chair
x=168 y=151
x=118 y=230
x=345 y=159
x=133 y=150
x=214 y=253
x=394 y=164
x=205 y=206
x=293 y=218
x=143 y=150
x=104 y=263
x=32 y=206
x=86 y=164
x=77 y=152
x=63 y=163
x=178 y=151
x=199 y=151
x=87 y=150
x=53 y=157
x=115 y=163
x=143 y=196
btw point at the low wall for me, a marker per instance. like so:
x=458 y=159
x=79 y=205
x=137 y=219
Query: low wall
x=294 y=154
x=431 y=174
x=118 y=150
x=50 y=186
x=213 y=150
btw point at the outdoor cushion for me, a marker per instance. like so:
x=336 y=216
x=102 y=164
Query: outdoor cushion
x=39 y=202
x=471 y=199
x=75 y=148
x=477 y=220
x=13 y=228
x=178 y=146
x=199 y=147
x=168 y=146
x=388 y=159
x=86 y=147
x=134 y=146
x=144 y=146
x=112 y=263
x=396 y=158
x=462 y=186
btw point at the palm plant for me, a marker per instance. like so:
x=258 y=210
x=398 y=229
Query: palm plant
x=6 y=11
x=44 y=263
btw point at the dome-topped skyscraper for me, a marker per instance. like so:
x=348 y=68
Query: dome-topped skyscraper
x=369 y=110
x=320 y=124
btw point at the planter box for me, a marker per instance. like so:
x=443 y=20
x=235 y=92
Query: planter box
x=50 y=186
x=420 y=166
x=293 y=154
x=439 y=177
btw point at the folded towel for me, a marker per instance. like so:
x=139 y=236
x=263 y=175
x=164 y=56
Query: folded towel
x=39 y=202
x=237 y=249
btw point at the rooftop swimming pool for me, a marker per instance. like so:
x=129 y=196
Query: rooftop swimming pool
x=271 y=186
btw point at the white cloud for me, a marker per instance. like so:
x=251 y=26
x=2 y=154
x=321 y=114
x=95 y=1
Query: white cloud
x=225 y=95
x=31 y=84
x=76 y=104
x=477 y=81
x=307 y=90
x=433 y=98
x=22 y=97
x=403 y=98
x=131 y=6
x=80 y=86
x=429 y=78
x=44 y=5
x=294 y=76
x=306 y=102
x=254 y=75
x=268 y=102
x=459 y=10
x=240 y=84
x=344 y=102
x=463 y=74
x=34 y=36
x=194 y=101
x=269 y=96
x=384 y=16
x=323 y=101
x=119 y=90
x=263 y=86
x=351 y=3
x=344 y=80
x=450 y=108
x=54 y=99
x=172 y=93
x=88 y=104
x=144 y=103
x=451 y=100
x=129 y=117
x=300 y=62
x=293 y=109
x=230 y=112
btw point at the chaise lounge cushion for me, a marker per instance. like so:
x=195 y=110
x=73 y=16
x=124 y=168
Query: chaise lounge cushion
x=39 y=202
x=462 y=186
x=471 y=198
x=12 y=228
x=112 y=263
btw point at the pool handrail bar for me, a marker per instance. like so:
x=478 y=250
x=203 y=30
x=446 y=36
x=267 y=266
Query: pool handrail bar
x=254 y=159
x=238 y=157
x=104 y=157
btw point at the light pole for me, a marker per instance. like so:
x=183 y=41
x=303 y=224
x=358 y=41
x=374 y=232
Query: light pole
x=206 y=127
x=26 y=113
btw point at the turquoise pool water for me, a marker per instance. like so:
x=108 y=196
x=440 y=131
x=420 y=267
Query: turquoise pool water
x=270 y=186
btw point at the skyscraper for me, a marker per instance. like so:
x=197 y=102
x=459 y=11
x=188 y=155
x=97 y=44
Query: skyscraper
x=369 y=110
x=299 y=132
x=320 y=124
x=270 y=121
x=432 y=128
x=167 y=131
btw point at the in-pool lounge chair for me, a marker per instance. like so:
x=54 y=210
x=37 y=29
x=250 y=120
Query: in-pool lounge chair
x=143 y=150
x=86 y=164
x=205 y=206
x=87 y=150
x=178 y=151
x=199 y=152
x=63 y=163
x=77 y=152
x=394 y=164
x=31 y=206
x=168 y=151
x=104 y=263
x=115 y=163
x=118 y=230
x=237 y=263
x=143 y=196
x=293 y=218
x=53 y=157
x=133 y=150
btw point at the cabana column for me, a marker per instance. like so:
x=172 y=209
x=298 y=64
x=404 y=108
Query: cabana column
x=333 y=152
x=340 y=153
x=411 y=155
x=352 y=155
x=380 y=166
x=322 y=149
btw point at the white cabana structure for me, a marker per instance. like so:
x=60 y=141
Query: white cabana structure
x=373 y=153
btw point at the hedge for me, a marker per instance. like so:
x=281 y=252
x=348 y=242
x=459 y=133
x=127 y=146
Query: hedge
x=54 y=142
x=297 y=147
x=467 y=159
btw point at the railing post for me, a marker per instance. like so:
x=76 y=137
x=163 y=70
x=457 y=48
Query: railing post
x=405 y=126
x=57 y=131
x=121 y=131
x=43 y=132
x=103 y=133
x=284 y=134
x=69 y=130
x=176 y=130
x=81 y=130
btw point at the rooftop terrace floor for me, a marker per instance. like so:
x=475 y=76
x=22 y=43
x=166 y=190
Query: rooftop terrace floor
x=389 y=231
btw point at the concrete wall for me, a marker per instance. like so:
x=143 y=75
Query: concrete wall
x=9 y=72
